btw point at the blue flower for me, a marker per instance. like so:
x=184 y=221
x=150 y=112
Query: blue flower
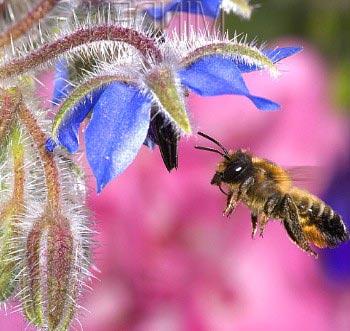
x=121 y=113
x=217 y=75
x=117 y=129
x=210 y=8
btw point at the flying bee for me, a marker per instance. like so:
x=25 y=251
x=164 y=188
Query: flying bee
x=267 y=190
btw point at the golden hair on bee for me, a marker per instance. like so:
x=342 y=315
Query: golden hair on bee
x=268 y=191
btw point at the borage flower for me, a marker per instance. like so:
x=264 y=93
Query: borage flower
x=210 y=8
x=121 y=98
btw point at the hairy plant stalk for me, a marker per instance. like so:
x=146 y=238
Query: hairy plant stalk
x=47 y=159
x=8 y=106
x=146 y=45
x=31 y=19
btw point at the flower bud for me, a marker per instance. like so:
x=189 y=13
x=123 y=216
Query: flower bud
x=165 y=87
x=50 y=283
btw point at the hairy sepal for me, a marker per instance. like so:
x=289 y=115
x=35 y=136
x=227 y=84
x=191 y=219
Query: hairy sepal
x=166 y=88
x=194 y=45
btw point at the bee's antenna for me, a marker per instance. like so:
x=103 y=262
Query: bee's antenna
x=214 y=141
x=212 y=150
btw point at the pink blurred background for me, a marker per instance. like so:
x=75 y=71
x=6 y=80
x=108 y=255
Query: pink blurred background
x=169 y=261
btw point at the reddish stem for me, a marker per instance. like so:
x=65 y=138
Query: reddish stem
x=50 y=51
x=7 y=113
x=22 y=27
x=47 y=159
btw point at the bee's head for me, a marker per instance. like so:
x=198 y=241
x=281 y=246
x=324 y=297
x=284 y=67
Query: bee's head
x=233 y=169
x=234 y=166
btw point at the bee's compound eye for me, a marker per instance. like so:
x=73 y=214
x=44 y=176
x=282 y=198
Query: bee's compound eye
x=233 y=172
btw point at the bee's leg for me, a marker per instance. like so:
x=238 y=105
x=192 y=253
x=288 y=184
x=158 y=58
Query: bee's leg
x=272 y=202
x=254 y=218
x=270 y=205
x=263 y=221
x=245 y=186
x=234 y=196
x=292 y=225
x=232 y=200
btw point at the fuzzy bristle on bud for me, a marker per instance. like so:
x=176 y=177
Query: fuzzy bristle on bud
x=169 y=96
x=50 y=283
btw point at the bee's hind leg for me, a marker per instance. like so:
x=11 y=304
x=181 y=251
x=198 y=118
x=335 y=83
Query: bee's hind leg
x=292 y=225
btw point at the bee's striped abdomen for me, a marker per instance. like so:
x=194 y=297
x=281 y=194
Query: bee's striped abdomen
x=320 y=223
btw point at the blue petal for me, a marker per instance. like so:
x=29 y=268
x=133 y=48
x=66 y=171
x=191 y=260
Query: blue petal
x=61 y=82
x=158 y=12
x=117 y=129
x=217 y=75
x=275 y=55
x=50 y=144
x=67 y=133
x=209 y=8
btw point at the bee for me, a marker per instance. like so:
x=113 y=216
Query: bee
x=267 y=190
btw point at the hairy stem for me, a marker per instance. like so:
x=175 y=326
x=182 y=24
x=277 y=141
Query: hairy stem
x=22 y=27
x=8 y=104
x=50 y=51
x=47 y=159
x=18 y=165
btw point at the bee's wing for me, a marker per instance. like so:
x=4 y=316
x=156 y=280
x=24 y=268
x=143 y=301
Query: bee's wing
x=311 y=178
x=304 y=173
x=307 y=177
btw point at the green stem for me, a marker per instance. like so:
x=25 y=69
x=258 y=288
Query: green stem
x=18 y=166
